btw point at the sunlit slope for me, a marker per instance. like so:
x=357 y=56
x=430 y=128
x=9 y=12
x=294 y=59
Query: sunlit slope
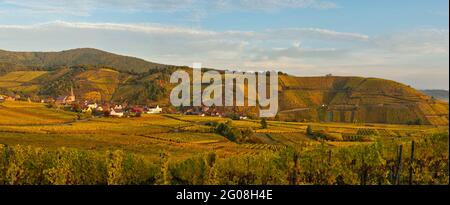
x=106 y=77
x=24 y=113
x=329 y=99
x=21 y=80
x=355 y=99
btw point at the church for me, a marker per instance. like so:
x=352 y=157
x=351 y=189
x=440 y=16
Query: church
x=67 y=99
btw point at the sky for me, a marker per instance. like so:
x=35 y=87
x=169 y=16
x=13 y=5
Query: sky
x=402 y=40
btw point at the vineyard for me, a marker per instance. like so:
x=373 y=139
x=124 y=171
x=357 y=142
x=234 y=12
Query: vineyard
x=39 y=145
x=426 y=162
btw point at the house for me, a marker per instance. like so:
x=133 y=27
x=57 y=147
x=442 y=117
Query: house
x=156 y=110
x=118 y=107
x=116 y=113
x=87 y=110
x=99 y=109
x=9 y=98
x=93 y=106
x=135 y=111
x=205 y=109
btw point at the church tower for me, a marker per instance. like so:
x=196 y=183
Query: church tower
x=71 y=98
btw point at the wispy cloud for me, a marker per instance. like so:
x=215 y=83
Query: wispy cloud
x=420 y=53
x=274 y=4
x=197 y=7
x=419 y=41
x=293 y=33
x=77 y=8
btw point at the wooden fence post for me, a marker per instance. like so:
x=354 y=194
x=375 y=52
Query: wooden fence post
x=294 y=172
x=329 y=157
x=411 y=161
x=363 y=176
x=399 y=165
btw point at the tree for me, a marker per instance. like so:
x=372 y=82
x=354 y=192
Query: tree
x=418 y=122
x=93 y=96
x=264 y=123
x=309 y=130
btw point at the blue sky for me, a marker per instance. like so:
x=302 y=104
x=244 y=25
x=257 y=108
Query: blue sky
x=403 y=40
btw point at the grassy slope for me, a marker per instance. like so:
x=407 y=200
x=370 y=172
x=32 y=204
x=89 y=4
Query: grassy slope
x=29 y=114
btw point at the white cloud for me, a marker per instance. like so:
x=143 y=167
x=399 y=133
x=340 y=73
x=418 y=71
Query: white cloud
x=183 y=32
x=420 y=41
x=411 y=57
x=317 y=33
x=86 y=7
x=199 y=8
x=274 y=4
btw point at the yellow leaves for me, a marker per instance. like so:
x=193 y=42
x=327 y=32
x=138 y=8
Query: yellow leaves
x=115 y=169
x=123 y=169
x=25 y=165
x=93 y=96
x=364 y=164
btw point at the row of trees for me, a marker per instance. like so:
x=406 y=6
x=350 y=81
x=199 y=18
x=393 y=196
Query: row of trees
x=378 y=163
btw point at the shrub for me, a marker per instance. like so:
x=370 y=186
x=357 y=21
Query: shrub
x=309 y=130
x=72 y=167
x=26 y=166
x=264 y=123
x=192 y=171
x=129 y=169
x=334 y=137
x=226 y=130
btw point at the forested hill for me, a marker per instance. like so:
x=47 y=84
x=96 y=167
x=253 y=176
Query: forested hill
x=11 y=61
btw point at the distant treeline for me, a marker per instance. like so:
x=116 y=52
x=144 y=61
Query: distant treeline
x=382 y=163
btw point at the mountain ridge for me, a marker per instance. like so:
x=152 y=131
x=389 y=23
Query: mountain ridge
x=440 y=94
x=78 y=56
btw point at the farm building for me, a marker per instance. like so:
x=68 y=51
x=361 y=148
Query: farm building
x=156 y=110
x=6 y=98
x=116 y=113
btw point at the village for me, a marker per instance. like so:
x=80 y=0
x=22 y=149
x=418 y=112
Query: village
x=87 y=108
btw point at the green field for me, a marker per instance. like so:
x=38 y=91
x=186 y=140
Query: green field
x=184 y=138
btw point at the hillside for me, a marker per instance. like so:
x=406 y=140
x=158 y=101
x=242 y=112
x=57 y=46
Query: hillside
x=357 y=100
x=326 y=99
x=438 y=94
x=82 y=56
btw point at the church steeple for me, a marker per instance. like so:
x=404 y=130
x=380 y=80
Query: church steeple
x=71 y=97
x=71 y=91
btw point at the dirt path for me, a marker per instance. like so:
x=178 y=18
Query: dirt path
x=294 y=110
